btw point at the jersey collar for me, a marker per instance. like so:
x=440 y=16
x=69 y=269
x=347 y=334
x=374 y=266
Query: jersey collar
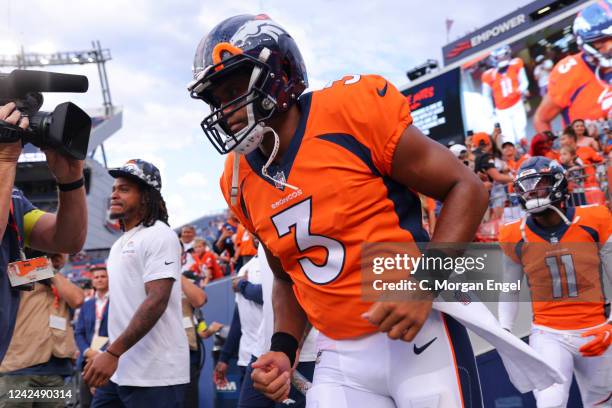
x=553 y=233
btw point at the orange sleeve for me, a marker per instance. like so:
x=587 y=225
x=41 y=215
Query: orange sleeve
x=562 y=82
x=378 y=114
x=509 y=236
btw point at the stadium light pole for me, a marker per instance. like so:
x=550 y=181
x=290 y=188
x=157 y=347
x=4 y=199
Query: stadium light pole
x=96 y=55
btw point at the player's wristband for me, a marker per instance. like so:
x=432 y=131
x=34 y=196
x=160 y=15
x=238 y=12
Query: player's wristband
x=112 y=354
x=286 y=343
x=71 y=186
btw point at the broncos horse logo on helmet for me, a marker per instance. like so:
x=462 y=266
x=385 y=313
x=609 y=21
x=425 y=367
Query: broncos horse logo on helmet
x=257 y=47
x=541 y=185
x=591 y=25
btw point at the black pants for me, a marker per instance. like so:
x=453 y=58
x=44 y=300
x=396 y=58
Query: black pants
x=112 y=395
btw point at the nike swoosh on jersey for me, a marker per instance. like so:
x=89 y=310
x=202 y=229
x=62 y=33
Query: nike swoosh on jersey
x=419 y=350
x=382 y=92
x=168 y=263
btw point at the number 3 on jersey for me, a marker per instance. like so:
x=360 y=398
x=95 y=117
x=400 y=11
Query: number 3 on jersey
x=298 y=217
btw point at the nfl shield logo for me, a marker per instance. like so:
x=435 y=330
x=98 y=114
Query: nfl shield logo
x=279 y=178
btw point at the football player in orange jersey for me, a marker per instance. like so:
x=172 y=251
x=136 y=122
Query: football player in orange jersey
x=315 y=177
x=579 y=85
x=506 y=84
x=562 y=250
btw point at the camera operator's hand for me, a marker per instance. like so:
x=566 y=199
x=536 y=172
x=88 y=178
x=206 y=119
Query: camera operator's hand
x=65 y=169
x=9 y=152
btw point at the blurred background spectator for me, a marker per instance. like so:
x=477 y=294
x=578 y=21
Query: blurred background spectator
x=42 y=348
x=91 y=332
x=187 y=235
x=192 y=299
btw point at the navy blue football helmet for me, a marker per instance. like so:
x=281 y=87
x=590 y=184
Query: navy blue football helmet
x=540 y=184
x=259 y=50
x=501 y=57
x=592 y=24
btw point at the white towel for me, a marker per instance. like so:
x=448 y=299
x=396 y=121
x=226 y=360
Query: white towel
x=525 y=367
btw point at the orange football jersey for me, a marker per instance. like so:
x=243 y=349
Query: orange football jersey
x=563 y=266
x=575 y=88
x=504 y=84
x=244 y=241
x=340 y=161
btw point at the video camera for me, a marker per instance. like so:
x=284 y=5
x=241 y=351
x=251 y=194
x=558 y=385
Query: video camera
x=66 y=129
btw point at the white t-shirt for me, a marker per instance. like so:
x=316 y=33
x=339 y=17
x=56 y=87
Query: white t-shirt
x=266 y=328
x=161 y=357
x=250 y=314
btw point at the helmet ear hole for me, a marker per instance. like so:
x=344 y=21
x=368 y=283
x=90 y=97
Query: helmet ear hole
x=286 y=69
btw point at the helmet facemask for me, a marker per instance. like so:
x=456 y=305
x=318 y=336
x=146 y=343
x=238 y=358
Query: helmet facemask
x=601 y=59
x=259 y=105
x=539 y=192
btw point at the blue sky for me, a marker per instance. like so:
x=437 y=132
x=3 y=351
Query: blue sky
x=153 y=42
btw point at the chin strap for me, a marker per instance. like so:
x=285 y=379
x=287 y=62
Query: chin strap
x=264 y=169
x=235 y=170
x=552 y=207
x=561 y=214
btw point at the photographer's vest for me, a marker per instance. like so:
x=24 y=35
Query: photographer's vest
x=34 y=341
x=189 y=324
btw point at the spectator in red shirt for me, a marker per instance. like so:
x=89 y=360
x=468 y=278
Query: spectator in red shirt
x=205 y=262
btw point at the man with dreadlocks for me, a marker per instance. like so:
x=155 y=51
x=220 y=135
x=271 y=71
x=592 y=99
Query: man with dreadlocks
x=147 y=361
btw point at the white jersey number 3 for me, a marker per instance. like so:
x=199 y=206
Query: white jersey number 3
x=298 y=217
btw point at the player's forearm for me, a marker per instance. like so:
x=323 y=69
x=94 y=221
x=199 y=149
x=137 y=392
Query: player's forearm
x=71 y=222
x=509 y=301
x=459 y=218
x=507 y=310
x=142 y=322
x=289 y=317
x=546 y=112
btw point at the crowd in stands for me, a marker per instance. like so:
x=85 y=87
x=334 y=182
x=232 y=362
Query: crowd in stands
x=584 y=149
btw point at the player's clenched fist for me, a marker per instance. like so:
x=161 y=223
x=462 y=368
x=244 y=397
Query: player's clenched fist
x=271 y=375
x=400 y=320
